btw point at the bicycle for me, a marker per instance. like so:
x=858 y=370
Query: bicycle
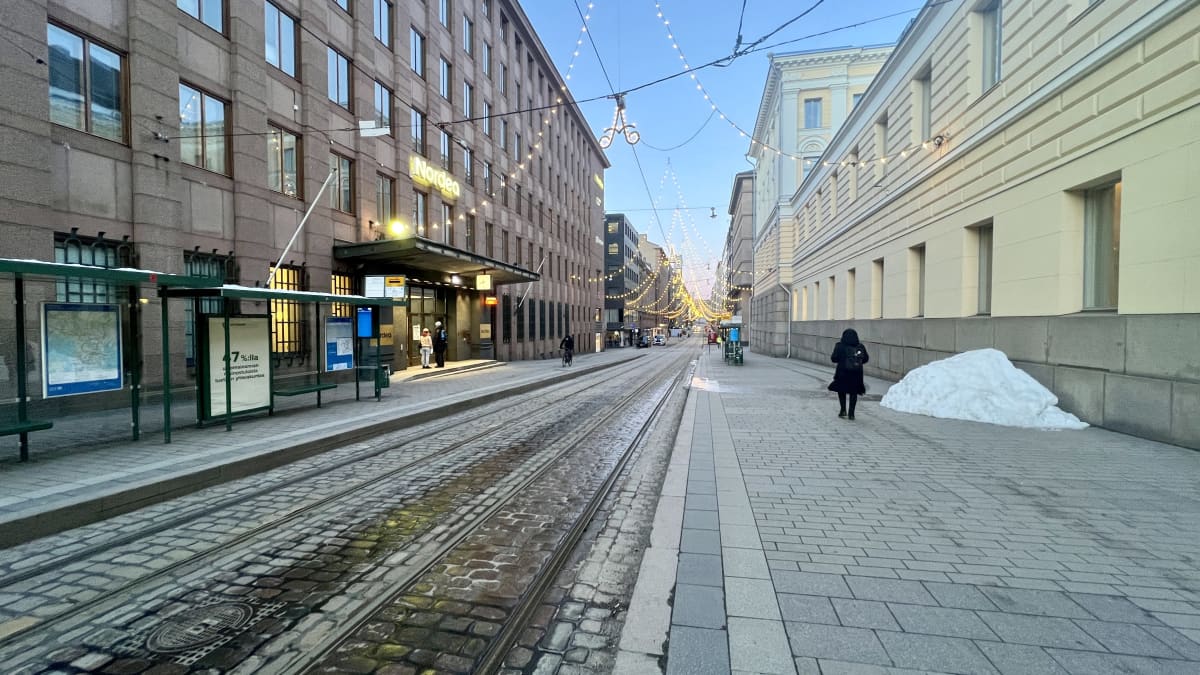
x=566 y=358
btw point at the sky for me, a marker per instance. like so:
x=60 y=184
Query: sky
x=687 y=154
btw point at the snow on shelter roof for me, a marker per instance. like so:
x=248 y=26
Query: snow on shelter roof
x=129 y=275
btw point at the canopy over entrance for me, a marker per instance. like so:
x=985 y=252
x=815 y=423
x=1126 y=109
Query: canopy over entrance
x=429 y=261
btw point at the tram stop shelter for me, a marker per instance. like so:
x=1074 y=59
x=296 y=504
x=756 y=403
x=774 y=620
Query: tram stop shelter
x=98 y=324
x=731 y=336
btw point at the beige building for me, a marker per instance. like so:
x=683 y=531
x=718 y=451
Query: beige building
x=190 y=136
x=1025 y=177
x=736 y=278
x=807 y=97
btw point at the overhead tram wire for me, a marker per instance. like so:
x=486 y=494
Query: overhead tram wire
x=690 y=138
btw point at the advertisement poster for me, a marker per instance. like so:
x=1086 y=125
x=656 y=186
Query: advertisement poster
x=81 y=349
x=339 y=343
x=249 y=364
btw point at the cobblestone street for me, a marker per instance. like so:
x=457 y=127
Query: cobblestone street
x=812 y=544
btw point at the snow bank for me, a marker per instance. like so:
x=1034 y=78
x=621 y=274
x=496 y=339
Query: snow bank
x=981 y=386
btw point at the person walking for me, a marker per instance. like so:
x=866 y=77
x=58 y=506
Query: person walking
x=426 y=347
x=439 y=343
x=849 y=354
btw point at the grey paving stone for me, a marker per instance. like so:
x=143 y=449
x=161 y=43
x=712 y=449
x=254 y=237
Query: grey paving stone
x=836 y=642
x=831 y=667
x=699 y=607
x=744 y=562
x=759 y=646
x=1038 y=630
x=740 y=536
x=928 y=652
x=1188 y=647
x=699 y=569
x=1125 y=638
x=697 y=519
x=940 y=621
x=890 y=590
x=1019 y=659
x=1113 y=608
x=809 y=583
x=695 y=650
x=865 y=614
x=700 y=541
x=701 y=502
x=807 y=609
x=1094 y=663
x=753 y=598
x=1044 y=603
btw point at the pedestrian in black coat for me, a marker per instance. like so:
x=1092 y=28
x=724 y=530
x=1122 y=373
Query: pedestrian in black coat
x=440 y=343
x=849 y=354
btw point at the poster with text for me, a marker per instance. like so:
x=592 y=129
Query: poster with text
x=249 y=364
x=339 y=343
x=81 y=348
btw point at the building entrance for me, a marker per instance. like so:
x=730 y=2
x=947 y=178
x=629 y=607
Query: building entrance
x=425 y=306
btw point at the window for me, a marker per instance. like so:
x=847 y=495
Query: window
x=201 y=129
x=487 y=118
x=517 y=147
x=468 y=160
x=468 y=36
x=210 y=12
x=542 y=319
x=447 y=224
x=850 y=294
x=201 y=264
x=339 y=78
x=532 y=319
x=503 y=134
x=983 y=236
x=383 y=107
x=489 y=232
x=881 y=138
x=446 y=75
x=341 y=284
x=468 y=99
x=341 y=191
x=504 y=246
x=420 y=212
x=383 y=22
x=444 y=148
x=506 y=314
x=520 y=321
x=614 y=249
x=922 y=102
x=417 y=124
x=916 y=281
x=344 y=4
x=877 y=288
x=812 y=113
x=74 y=249
x=486 y=8
x=416 y=54
x=520 y=248
x=470 y=232
x=444 y=13
x=487 y=59
x=283 y=162
x=385 y=196
x=503 y=79
x=86 y=85
x=854 y=99
x=990 y=39
x=1102 y=246
x=487 y=179
x=287 y=316
x=281 y=39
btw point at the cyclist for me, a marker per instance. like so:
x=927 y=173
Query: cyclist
x=568 y=348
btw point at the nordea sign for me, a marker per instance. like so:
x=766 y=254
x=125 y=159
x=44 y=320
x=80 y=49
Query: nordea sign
x=424 y=173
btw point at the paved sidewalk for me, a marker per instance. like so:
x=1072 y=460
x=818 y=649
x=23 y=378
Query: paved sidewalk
x=790 y=541
x=72 y=479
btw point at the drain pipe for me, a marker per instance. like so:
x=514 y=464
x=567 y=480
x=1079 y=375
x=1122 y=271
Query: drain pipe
x=787 y=294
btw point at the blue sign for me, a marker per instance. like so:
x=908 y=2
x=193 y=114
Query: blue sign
x=81 y=348
x=366 y=323
x=339 y=343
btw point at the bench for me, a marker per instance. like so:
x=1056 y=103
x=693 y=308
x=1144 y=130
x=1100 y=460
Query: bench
x=23 y=428
x=305 y=389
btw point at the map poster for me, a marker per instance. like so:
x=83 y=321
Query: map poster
x=81 y=348
x=339 y=343
x=249 y=364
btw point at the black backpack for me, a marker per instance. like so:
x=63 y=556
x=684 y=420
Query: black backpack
x=852 y=358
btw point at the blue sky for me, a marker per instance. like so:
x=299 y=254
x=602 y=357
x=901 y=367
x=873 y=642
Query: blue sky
x=688 y=155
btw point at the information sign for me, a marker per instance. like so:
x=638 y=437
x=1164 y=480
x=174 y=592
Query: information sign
x=366 y=323
x=339 y=343
x=81 y=348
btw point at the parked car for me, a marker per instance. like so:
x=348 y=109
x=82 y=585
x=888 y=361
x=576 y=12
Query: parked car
x=643 y=341
x=660 y=340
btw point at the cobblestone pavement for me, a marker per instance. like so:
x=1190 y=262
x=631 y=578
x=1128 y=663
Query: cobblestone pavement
x=797 y=542
x=263 y=591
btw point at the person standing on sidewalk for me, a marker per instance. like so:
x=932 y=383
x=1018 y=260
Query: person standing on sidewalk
x=439 y=343
x=426 y=347
x=849 y=355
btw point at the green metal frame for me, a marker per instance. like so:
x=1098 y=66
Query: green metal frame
x=133 y=279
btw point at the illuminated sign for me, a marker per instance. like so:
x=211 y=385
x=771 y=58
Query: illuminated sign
x=598 y=180
x=491 y=301
x=424 y=173
x=483 y=282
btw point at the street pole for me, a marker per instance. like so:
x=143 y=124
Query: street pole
x=299 y=227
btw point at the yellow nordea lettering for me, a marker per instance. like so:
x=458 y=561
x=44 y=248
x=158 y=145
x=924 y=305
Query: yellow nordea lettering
x=424 y=173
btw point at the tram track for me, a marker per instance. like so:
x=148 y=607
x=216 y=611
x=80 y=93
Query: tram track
x=55 y=565
x=540 y=408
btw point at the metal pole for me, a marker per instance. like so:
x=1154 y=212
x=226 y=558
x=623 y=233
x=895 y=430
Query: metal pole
x=135 y=329
x=228 y=374
x=166 y=377
x=203 y=387
x=378 y=365
x=299 y=227
x=22 y=404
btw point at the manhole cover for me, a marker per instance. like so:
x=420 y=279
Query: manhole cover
x=199 y=626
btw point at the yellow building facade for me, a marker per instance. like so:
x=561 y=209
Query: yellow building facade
x=1024 y=176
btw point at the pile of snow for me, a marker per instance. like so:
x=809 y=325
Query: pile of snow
x=981 y=386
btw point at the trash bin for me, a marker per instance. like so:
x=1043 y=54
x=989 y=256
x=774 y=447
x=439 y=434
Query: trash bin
x=383 y=377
